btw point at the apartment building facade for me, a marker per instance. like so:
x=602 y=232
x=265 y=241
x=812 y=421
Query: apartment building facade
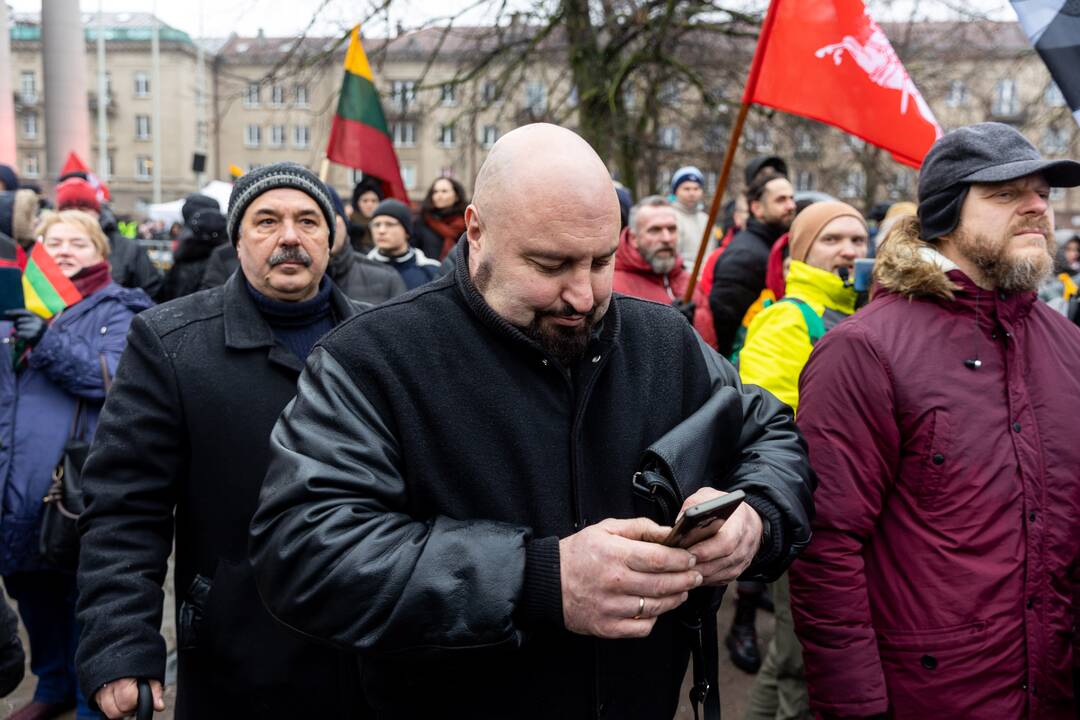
x=272 y=99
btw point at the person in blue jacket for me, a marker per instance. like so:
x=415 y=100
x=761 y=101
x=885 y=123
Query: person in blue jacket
x=53 y=370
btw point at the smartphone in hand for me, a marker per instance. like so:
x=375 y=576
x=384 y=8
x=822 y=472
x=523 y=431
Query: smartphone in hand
x=702 y=520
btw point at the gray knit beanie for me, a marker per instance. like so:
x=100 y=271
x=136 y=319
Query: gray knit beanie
x=271 y=177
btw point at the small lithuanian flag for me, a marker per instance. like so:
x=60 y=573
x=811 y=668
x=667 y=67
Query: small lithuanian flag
x=46 y=289
x=359 y=137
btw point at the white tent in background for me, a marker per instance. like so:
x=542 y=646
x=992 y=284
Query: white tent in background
x=169 y=212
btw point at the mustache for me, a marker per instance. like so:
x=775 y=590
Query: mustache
x=567 y=311
x=291 y=253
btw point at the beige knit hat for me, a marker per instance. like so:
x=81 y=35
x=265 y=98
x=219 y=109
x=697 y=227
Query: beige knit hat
x=812 y=220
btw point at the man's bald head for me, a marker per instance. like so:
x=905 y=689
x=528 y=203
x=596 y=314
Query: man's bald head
x=543 y=227
x=543 y=169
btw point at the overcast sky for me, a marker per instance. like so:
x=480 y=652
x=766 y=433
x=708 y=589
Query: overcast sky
x=289 y=17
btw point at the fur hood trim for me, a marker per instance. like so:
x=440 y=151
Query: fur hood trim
x=908 y=265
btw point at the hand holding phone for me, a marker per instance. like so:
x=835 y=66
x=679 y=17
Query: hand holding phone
x=702 y=520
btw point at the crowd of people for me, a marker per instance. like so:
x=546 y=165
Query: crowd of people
x=427 y=462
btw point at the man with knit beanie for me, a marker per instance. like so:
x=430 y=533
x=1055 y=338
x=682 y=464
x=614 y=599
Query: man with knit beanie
x=391 y=231
x=826 y=239
x=184 y=433
x=688 y=188
x=129 y=264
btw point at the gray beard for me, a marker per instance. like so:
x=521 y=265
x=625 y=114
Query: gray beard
x=660 y=265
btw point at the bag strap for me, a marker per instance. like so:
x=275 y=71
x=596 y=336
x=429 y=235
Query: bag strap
x=105 y=377
x=814 y=324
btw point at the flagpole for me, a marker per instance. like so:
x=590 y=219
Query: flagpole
x=736 y=133
x=721 y=184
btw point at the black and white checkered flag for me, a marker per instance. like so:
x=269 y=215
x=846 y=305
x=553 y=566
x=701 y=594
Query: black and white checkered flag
x=1053 y=26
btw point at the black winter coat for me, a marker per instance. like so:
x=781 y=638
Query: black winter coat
x=129 y=264
x=222 y=264
x=189 y=264
x=738 y=279
x=362 y=279
x=185 y=429
x=421 y=528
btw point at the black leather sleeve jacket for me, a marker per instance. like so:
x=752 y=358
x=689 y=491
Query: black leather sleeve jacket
x=337 y=555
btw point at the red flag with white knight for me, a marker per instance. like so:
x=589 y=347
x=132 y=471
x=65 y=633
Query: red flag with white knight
x=828 y=60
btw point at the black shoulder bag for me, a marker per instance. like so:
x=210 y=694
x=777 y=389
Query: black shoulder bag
x=59 y=539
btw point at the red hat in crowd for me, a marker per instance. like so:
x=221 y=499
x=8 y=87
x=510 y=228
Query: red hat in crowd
x=77 y=194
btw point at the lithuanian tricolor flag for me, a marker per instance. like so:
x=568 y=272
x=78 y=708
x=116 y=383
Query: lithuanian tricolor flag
x=46 y=289
x=359 y=136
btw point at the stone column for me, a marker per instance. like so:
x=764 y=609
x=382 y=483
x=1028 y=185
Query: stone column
x=7 y=98
x=67 y=113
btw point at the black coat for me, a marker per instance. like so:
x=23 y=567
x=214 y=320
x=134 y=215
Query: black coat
x=189 y=264
x=738 y=279
x=421 y=482
x=222 y=264
x=185 y=429
x=363 y=279
x=129 y=264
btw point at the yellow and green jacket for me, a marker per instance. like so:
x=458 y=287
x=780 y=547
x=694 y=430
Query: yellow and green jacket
x=778 y=342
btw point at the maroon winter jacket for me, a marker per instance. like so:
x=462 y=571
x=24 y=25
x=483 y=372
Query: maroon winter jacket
x=635 y=277
x=942 y=580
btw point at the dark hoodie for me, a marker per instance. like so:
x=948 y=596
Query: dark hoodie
x=205 y=231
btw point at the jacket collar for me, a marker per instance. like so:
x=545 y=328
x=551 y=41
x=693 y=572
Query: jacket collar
x=812 y=284
x=766 y=233
x=341 y=263
x=605 y=334
x=909 y=266
x=247 y=329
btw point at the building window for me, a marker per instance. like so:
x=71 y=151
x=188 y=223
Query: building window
x=489 y=93
x=1057 y=194
x=30 y=166
x=488 y=135
x=900 y=185
x=668 y=137
x=956 y=95
x=804 y=180
x=448 y=97
x=854 y=184
x=142 y=127
x=29 y=124
x=108 y=87
x=1055 y=140
x=1054 y=98
x=142 y=84
x=536 y=98
x=806 y=144
x=253 y=166
x=1006 y=100
x=277 y=96
x=404 y=134
x=277 y=135
x=251 y=98
x=408 y=175
x=108 y=166
x=714 y=139
x=251 y=136
x=759 y=139
x=670 y=91
x=403 y=94
x=446 y=135
x=301 y=136
x=28 y=87
x=143 y=167
x=301 y=96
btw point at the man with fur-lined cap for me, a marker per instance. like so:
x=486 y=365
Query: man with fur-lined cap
x=184 y=434
x=944 y=575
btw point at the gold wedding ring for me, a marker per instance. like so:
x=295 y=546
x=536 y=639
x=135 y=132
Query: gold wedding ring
x=640 y=608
